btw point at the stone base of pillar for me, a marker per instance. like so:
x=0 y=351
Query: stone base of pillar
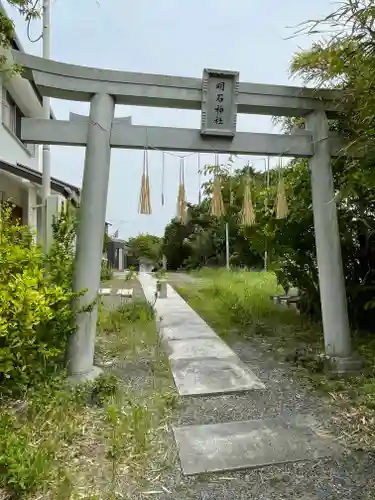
x=346 y=366
x=81 y=378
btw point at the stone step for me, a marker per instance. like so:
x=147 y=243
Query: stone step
x=252 y=444
x=205 y=376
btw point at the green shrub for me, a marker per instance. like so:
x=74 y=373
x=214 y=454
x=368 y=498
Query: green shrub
x=105 y=271
x=138 y=310
x=61 y=255
x=35 y=314
x=105 y=387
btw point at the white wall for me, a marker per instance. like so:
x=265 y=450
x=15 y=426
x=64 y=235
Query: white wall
x=12 y=150
x=22 y=193
x=11 y=187
x=29 y=205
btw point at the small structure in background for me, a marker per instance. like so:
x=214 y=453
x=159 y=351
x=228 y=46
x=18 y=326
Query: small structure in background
x=117 y=254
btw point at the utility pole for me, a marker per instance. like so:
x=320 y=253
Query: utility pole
x=46 y=161
x=267 y=172
x=227 y=246
x=227 y=254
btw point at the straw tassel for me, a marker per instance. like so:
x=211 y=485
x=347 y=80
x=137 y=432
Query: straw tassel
x=144 y=195
x=217 y=204
x=181 y=197
x=247 y=214
x=281 y=201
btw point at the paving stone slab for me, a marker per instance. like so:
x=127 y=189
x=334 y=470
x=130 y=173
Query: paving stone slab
x=185 y=332
x=199 y=348
x=213 y=376
x=175 y=321
x=250 y=444
x=169 y=305
x=169 y=310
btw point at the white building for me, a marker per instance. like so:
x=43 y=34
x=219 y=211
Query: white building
x=21 y=164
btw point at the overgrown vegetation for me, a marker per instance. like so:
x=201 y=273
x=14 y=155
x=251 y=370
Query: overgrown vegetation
x=95 y=441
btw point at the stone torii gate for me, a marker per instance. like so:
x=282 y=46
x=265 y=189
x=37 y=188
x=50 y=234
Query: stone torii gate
x=220 y=96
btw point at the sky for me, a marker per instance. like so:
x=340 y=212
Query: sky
x=176 y=38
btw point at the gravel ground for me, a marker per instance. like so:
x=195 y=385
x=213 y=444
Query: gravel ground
x=350 y=476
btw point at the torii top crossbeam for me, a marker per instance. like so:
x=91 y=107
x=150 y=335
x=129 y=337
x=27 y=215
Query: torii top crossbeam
x=68 y=81
x=218 y=109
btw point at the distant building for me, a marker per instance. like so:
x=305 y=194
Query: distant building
x=118 y=254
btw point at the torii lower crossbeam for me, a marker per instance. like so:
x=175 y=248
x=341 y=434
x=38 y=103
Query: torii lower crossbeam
x=128 y=136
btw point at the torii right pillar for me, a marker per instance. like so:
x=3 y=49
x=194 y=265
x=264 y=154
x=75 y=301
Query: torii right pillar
x=337 y=338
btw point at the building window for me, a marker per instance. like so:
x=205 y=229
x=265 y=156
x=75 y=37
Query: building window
x=12 y=116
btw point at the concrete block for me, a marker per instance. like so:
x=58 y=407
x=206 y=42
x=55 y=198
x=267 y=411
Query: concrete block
x=347 y=366
x=213 y=376
x=251 y=443
x=125 y=292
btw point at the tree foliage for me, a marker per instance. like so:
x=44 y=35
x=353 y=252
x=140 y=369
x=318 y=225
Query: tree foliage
x=146 y=246
x=27 y=8
x=201 y=241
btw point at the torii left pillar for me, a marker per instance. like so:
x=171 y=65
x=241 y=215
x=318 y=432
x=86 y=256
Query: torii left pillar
x=90 y=235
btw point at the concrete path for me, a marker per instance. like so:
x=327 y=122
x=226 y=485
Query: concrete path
x=201 y=362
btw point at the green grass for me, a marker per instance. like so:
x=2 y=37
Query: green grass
x=100 y=438
x=237 y=304
x=240 y=302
